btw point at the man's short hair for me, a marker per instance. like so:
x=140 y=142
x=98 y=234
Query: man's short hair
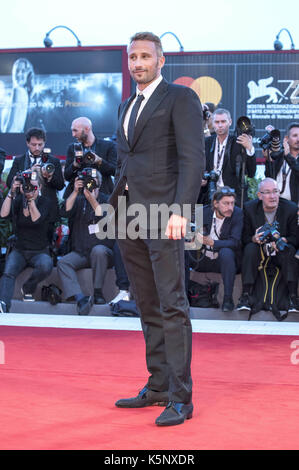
x=225 y=191
x=221 y=111
x=37 y=133
x=148 y=36
x=291 y=126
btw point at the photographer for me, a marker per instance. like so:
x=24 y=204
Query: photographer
x=30 y=215
x=2 y=161
x=224 y=157
x=83 y=209
x=89 y=151
x=221 y=238
x=264 y=216
x=283 y=165
x=37 y=158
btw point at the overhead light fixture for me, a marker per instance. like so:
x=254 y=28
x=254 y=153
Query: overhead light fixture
x=278 y=44
x=48 y=41
x=175 y=36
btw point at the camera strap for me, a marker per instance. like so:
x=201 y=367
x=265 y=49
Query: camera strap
x=285 y=174
x=220 y=154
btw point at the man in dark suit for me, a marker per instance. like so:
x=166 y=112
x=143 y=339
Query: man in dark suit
x=221 y=239
x=101 y=155
x=47 y=167
x=269 y=208
x=160 y=161
x=224 y=155
x=285 y=167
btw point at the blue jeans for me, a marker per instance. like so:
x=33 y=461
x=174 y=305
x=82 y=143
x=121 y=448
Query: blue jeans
x=17 y=261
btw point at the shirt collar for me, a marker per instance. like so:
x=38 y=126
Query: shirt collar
x=149 y=90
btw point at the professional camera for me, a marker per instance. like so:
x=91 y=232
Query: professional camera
x=271 y=234
x=25 y=177
x=211 y=177
x=82 y=154
x=244 y=126
x=49 y=167
x=89 y=178
x=206 y=112
x=271 y=141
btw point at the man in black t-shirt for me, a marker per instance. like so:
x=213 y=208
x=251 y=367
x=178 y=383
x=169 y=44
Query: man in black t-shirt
x=82 y=208
x=30 y=214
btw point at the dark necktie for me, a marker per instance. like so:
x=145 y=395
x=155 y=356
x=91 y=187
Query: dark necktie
x=133 y=116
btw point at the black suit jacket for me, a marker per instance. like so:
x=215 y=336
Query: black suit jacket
x=104 y=149
x=254 y=218
x=166 y=160
x=231 y=230
x=272 y=169
x=48 y=189
x=231 y=170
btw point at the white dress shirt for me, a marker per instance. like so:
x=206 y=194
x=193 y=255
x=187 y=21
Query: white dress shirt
x=147 y=93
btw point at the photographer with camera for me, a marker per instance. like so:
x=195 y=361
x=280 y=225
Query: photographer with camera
x=38 y=159
x=225 y=156
x=30 y=215
x=207 y=114
x=270 y=225
x=221 y=240
x=282 y=161
x=89 y=151
x=2 y=161
x=83 y=210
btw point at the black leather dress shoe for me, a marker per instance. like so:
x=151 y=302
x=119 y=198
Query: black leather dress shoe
x=98 y=298
x=228 y=304
x=145 y=397
x=84 y=305
x=175 y=413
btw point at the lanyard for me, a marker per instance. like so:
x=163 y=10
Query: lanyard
x=219 y=154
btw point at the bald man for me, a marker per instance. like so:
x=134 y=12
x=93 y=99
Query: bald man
x=104 y=153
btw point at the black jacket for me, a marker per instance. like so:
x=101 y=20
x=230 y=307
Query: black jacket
x=231 y=230
x=286 y=216
x=232 y=168
x=80 y=217
x=272 y=169
x=48 y=189
x=160 y=166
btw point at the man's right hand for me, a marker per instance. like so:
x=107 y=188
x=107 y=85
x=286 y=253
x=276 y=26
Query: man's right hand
x=257 y=236
x=78 y=185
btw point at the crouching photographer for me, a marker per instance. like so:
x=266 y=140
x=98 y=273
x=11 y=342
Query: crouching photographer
x=269 y=239
x=221 y=240
x=86 y=249
x=30 y=214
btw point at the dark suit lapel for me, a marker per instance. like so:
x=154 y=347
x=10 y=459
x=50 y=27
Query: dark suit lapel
x=260 y=215
x=122 y=115
x=225 y=227
x=227 y=152
x=149 y=108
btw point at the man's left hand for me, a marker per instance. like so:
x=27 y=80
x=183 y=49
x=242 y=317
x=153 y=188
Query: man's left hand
x=246 y=141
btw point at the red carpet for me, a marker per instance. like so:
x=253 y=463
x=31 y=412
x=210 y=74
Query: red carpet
x=58 y=388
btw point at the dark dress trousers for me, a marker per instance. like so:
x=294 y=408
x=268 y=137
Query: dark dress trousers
x=164 y=164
